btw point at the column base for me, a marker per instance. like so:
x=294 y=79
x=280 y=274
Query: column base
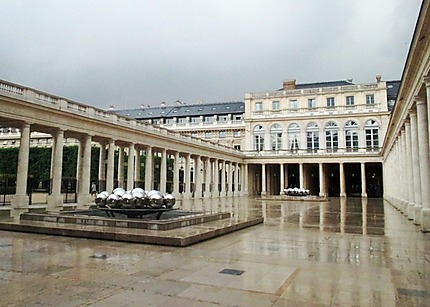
x=207 y=194
x=425 y=220
x=264 y=193
x=417 y=215
x=55 y=202
x=188 y=195
x=342 y=195
x=19 y=205
x=364 y=195
x=282 y=192
x=20 y=201
x=321 y=194
x=222 y=194
x=84 y=199
x=215 y=194
x=411 y=212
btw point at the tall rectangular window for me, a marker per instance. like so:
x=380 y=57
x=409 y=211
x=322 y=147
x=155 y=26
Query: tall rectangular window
x=294 y=104
x=370 y=99
x=223 y=118
x=236 y=133
x=312 y=103
x=276 y=105
x=349 y=100
x=258 y=106
x=330 y=102
x=222 y=134
x=209 y=119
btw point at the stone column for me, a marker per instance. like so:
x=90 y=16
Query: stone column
x=403 y=178
x=223 y=191
x=187 y=176
x=130 y=167
x=423 y=146
x=198 y=177
x=84 y=197
x=230 y=179
x=208 y=177
x=121 y=157
x=363 y=180
x=342 y=180
x=215 y=188
x=137 y=168
x=110 y=167
x=263 y=179
x=410 y=175
x=21 y=200
x=321 y=179
x=245 y=180
x=149 y=172
x=415 y=164
x=102 y=168
x=301 y=176
x=425 y=219
x=163 y=171
x=176 y=167
x=236 y=179
x=282 y=186
x=55 y=200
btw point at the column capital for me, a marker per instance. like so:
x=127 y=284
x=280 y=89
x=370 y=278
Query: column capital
x=419 y=100
x=426 y=81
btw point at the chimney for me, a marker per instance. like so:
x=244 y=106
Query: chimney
x=289 y=84
x=378 y=78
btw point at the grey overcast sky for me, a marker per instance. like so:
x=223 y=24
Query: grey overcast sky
x=132 y=52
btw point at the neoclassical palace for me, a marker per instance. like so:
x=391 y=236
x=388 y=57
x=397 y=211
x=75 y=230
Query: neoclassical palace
x=325 y=136
x=335 y=138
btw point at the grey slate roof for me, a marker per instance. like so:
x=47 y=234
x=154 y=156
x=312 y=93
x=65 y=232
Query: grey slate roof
x=392 y=89
x=324 y=84
x=183 y=110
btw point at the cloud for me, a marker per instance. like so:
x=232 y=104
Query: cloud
x=131 y=52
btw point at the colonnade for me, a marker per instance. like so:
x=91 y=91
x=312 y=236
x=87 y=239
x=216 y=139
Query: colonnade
x=407 y=168
x=322 y=178
x=205 y=182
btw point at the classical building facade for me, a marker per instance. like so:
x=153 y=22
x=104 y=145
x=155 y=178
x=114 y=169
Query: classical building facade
x=323 y=136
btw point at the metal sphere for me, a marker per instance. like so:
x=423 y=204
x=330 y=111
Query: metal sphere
x=119 y=191
x=156 y=200
x=169 y=200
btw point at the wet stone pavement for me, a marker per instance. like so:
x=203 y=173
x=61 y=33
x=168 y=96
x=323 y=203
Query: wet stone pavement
x=348 y=252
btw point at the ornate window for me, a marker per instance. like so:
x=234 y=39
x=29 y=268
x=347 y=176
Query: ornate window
x=312 y=137
x=276 y=137
x=351 y=136
x=331 y=137
x=371 y=130
x=259 y=138
x=294 y=137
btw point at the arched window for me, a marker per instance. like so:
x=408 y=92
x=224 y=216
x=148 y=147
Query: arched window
x=294 y=137
x=259 y=138
x=312 y=137
x=331 y=137
x=276 y=137
x=351 y=136
x=371 y=130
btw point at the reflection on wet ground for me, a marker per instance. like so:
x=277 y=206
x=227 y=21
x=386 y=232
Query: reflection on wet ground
x=365 y=216
x=348 y=252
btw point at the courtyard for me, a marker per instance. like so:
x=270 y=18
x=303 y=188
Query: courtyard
x=346 y=252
